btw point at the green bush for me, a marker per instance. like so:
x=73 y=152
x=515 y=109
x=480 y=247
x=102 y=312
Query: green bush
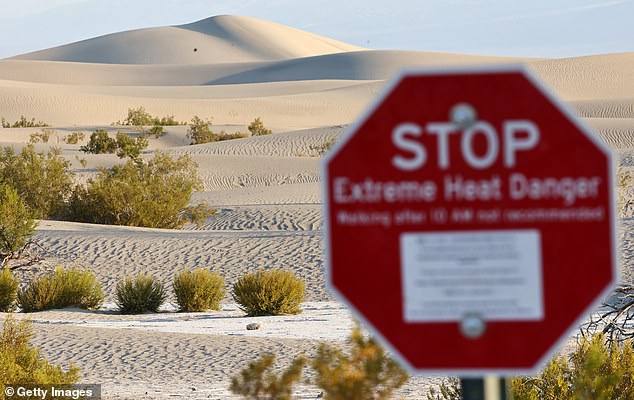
x=23 y=123
x=129 y=147
x=595 y=370
x=8 y=290
x=43 y=136
x=75 y=137
x=17 y=223
x=139 y=295
x=365 y=372
x=198 y=290
x=156 y=131
x=64 y=288
x=321 y=149
x=200 y=132
x=100 y=143
x=272 y=292
x=257 y=128
x=22 y=363
x=140 y=117
x=43 y=181
x=229 y=136
x=153 y=194
x=257 y=381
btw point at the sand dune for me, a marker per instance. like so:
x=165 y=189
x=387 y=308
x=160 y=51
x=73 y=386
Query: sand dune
x=221 y=39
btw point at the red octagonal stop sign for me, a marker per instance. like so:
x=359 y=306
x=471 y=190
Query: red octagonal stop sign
x=470 y=220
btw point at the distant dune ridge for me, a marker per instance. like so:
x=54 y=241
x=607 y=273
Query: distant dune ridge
x=266 y=189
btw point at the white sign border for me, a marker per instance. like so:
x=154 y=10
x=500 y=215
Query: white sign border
x=568 y=112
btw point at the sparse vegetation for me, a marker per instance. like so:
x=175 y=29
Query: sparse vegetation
x=64 y=288
x=321 y=149
x=597 y=369
x=449 y=390
x=257 y=381
x=123 y=145
x=17 y=224
x=74 y=137
x=156 y=131
x=8 y=290
x=198 y=290
x=153 y=194
x=229 y=136
x=23 y=122
x=139 y=295
x=43 y=136
x=100 y=143
x=22 y=363
x=200 y=132
x=43 y=181
x=257 y=128
x=272 y=292
x=139 y=117
x=129 y=147
x=366 y=372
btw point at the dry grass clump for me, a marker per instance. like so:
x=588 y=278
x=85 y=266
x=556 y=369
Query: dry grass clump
x=272 y=292
x=64 y=288
x=198 y=290
x=139 y=295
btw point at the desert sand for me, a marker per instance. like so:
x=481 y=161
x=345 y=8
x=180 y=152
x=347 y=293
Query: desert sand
x=266 y=190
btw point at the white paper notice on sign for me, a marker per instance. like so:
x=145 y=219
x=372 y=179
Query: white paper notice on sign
x=496 y=275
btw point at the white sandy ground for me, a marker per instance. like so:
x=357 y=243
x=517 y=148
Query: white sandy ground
x=266 y=190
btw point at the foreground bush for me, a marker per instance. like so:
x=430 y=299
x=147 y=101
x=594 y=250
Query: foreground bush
x=269 y=293
x=22 y=363
x=17 y=223
x=257 y=128
x=595 y=370
x=8 y=290
x=43 y=181
x=64 y=288
x=153 y=194
x=365 y=372
x=257 y=381
x=198 y=290
x=139 y=295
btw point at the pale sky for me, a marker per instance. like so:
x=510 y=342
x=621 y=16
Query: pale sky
x=537 y=28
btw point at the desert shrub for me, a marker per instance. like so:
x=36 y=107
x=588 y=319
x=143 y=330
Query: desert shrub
x=595 y=370
x=43 y=136
x=153 y=194
x=139 y=295
x=257 y=381
x=64 y=288
x=129 y=147
x=22 y=363
x=43 y=181
x=156 y=131
x=100 y=143
x=17 y=223
x=229 y=136
x=449 y=390
x=365 y=372
x=75 y=137
x=257 y=128
x=8 y=290
x=140 y=117
x=200 y=132
x=198 y=290
x=321 y=149
x=272 y=292
x=23 y=122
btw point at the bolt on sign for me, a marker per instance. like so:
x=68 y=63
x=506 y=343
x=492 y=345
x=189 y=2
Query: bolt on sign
x=470 y=220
